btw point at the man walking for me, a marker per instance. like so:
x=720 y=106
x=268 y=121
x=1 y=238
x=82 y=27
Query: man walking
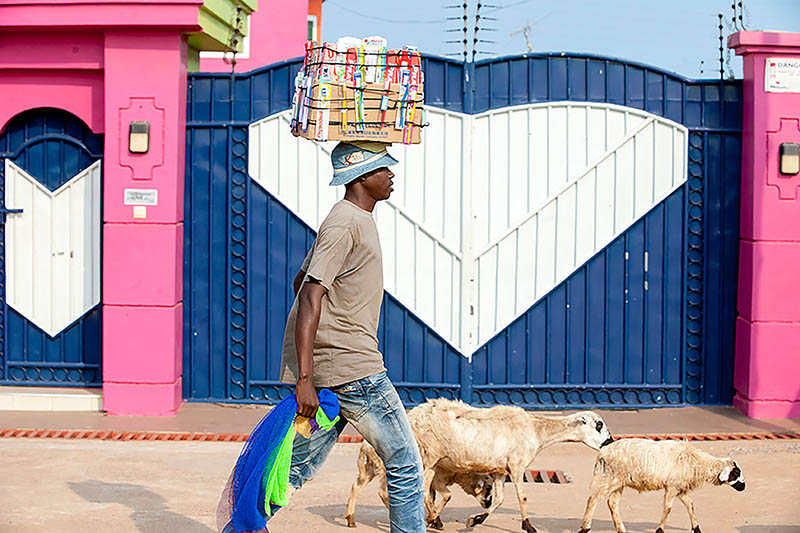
x=331 y=336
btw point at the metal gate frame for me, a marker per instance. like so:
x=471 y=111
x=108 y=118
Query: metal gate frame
x=54 y=145
x=220 y=108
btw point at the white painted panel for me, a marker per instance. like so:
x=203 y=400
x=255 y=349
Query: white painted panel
x=557 y=149
x=539 y=187
x=615 y=126
x=519 y=178
x=577 y=147
x=480 y=182
x=454 y=148
x=526 y=265
x=499 y=171
x=644 y=173
x=546 y=249
x=506 y=280
x=385 y=217
x=585 y=217
x=565 y=233
x=425 y=276
x=433 y=194
x=595 y=133
x=42 y=214
x=624 y=188
x=59 y=261
x=53 y=247
x=445 y=311
x=406 y=261
x=604 y=202
x=487 y=293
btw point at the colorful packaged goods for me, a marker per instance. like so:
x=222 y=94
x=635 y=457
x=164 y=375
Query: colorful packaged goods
x=357 y=89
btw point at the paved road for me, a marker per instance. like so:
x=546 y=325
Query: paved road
x=99 y=486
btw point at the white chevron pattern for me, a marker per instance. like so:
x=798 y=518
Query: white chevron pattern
x=53 y=247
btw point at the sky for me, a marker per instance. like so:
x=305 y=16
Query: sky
x=675 y=35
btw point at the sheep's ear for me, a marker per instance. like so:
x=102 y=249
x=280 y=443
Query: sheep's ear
x=725 y=474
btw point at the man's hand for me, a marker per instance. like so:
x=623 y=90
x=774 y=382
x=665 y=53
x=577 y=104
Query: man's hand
x=307 y=399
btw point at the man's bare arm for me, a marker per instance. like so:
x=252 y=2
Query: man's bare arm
x=298 y=281
x=309 y=306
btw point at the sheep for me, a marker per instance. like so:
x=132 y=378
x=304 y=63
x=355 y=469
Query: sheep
x=677 y=467
x=370 y=466
x=500 y=440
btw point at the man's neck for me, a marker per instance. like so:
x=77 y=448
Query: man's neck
x=360 y=198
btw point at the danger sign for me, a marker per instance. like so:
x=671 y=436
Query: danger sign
x=782 y=75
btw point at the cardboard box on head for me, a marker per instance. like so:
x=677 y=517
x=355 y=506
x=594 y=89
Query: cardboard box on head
x=359 y=90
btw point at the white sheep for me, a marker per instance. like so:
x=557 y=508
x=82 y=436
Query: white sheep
x=677 y=467
x=370 y=466
x=500 y=440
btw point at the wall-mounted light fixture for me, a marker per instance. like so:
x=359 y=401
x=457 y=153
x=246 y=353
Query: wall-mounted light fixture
x=139 y=137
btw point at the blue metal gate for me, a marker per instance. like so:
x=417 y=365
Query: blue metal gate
x=51 y=146
x=597 y=339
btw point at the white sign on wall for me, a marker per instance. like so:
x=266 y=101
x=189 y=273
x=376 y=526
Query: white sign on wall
x=782 y=75
x=141 y=197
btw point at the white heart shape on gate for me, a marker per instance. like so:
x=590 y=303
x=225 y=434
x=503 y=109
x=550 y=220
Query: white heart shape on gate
x=53 y=247
x=493 y=210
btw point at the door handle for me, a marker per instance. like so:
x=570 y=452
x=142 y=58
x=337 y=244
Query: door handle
x=5 y=211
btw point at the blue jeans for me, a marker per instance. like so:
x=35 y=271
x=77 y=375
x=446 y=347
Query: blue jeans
x=375 y=410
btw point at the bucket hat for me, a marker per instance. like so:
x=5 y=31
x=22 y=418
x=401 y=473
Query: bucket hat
x=353 y=159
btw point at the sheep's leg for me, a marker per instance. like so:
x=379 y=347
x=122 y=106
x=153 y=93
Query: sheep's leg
x=434 y=520
x=591 y=506
x=497 y=500
x=613 y=506
x=365 y=475
x=669 y=495
x=687 y=501
x=429 y=495
x=383 y=491
x=517 y=477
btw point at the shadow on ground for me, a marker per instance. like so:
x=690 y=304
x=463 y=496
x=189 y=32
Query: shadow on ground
x=149 y=513
x=376 y=516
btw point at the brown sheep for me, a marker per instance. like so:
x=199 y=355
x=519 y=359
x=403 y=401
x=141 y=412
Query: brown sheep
x=500 y=440
x=370 y=466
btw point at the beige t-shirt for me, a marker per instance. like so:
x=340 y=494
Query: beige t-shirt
x=346 y=260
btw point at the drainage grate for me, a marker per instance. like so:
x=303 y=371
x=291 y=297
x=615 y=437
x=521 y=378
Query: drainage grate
x=544 y=476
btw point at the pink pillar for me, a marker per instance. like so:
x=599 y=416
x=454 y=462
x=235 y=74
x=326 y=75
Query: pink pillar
x=145 y=80
x=767 y=365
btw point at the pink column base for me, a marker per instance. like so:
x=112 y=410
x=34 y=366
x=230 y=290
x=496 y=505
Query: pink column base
x=766 y=408
x=140 y=399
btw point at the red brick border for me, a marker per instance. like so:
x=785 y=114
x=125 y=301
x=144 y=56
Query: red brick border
x=241 y=437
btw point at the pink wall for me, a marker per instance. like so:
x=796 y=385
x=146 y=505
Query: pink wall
x=111 y=62
x=278 y=31
x=30 y=78
x=142 y=257
x=767 y=364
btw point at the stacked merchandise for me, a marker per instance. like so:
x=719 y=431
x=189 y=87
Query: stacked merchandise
x=358 y=90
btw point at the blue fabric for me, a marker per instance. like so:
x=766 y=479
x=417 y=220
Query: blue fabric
x=258 y=456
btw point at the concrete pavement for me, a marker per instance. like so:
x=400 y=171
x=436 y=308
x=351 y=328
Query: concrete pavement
x=151 y=486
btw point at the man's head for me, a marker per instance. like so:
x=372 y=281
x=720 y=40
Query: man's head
x=364 y=165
